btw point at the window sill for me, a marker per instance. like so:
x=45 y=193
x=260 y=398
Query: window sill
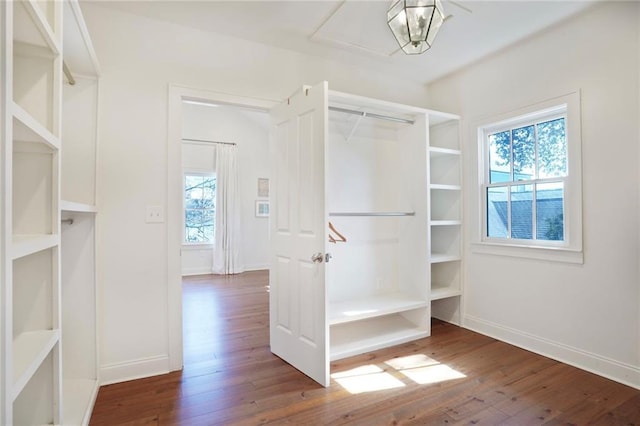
x=528 y=252
x=196 y=246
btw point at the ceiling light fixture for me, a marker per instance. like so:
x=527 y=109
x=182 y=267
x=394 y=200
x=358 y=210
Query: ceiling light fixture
x=415 y=23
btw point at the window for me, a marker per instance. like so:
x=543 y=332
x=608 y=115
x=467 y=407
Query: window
x=199 y=208
x=531 y=177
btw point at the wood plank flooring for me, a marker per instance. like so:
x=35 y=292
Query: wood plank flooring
x=453 y=377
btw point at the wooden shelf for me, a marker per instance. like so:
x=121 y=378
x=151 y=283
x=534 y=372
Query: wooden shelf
x=79 y=396
x=363 y=336
x=70 y=206
x=370 y=307
x=28 y=129
x=443 y=292
x=24 y=245
x=29 y=350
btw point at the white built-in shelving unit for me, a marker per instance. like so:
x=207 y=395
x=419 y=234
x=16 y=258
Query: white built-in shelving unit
x=394 y=189
x=445 y=216
x=80 y=381
x=38 y=310
x=31 y=144
x=377 y=282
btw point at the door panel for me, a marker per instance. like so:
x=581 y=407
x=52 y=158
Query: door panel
x=299 y=330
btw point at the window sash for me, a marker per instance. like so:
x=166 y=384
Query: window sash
x=534 y=240
x=533 y=119
x=186 y=209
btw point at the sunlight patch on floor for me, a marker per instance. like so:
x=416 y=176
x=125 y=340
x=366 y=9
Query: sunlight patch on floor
x=419 y=368
x=368 y=378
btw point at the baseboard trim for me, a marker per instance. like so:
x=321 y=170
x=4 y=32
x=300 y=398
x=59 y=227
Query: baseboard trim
x=205 y=271
x=257 y=267
x=611 y=369
x=196 y=271
x=136 y=369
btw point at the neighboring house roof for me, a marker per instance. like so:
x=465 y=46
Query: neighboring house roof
x=549 y=205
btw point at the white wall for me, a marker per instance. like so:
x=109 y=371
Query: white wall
x=588 y=314
x=250 y=131
x=140 y=58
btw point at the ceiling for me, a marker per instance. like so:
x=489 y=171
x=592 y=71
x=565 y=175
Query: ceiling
x=356 y=32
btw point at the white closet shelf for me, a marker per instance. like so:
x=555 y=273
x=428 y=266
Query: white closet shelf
x=374 y=214
x=71 y=206
x=445 y=222
x=365 y=336
x=28 y=129
x=444 y=257
x=29 y=350
x=437 y=151
x=374 y=306
x=24 y=245
x=31 y=26
x=444 y=186
x=79 y=396
x=442 y=292
x=79 y=53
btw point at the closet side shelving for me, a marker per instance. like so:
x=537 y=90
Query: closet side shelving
x=31 y=361
x=80 y=379
x=445 y=217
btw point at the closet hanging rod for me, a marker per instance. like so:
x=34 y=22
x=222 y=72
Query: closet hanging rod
x=371 y=114
x=356 y=214
x=67 y=73
x=69 y=221
x=206 y=141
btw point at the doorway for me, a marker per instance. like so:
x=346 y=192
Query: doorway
x=200 y=104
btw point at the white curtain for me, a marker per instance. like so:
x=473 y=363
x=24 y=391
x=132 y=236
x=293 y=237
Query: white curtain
x=226 y=253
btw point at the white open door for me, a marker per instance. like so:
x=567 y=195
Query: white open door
x=299 y=330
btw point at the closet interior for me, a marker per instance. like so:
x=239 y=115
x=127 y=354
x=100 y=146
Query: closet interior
x=393 y=190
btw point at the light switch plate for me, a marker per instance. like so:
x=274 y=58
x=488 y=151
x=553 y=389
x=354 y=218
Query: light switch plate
x=155 y=214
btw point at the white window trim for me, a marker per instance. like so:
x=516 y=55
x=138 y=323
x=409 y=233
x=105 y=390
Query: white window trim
x=186 y=244
x=570 y=250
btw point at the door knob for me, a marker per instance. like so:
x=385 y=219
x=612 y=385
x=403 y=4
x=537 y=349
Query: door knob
x=317 y=258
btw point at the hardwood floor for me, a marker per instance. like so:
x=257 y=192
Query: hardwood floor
x=231 y=377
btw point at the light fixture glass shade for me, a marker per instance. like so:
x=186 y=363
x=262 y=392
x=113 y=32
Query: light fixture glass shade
x=415 y=23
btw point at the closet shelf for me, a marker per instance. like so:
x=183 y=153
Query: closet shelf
x=446 y=187
x=79 y=53
x=441 y=257
x=363 y=214
x=363 y=336
x=79 y=397
x=374 y=306
x=443 y=292
x=437 y=151
x=31 y=26
x=24 y=245
x=29 y=350
x=27 y=129
x=70 y=206
x=445 y=222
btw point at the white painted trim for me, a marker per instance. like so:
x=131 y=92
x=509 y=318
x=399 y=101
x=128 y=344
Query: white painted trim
x=611 y=369
x=259 y=267
x=136 y=369
x=572 y=252
x=187 y=272
x=174 y=200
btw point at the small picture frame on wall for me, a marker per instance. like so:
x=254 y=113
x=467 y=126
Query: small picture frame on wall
x=263 y=187
x=262 y=208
